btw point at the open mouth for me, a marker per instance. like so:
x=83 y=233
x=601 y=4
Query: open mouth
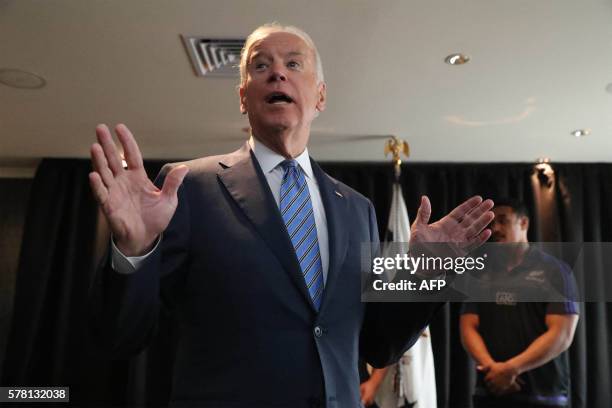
x=277 y=98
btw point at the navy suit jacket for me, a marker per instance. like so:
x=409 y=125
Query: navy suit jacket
x=249 y=333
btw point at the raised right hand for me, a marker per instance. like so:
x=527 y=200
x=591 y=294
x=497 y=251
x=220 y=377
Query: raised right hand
x=136 y=210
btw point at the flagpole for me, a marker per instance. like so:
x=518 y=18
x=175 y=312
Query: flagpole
x=411 y=382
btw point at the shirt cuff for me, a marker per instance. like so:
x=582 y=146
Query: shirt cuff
x=128 y=264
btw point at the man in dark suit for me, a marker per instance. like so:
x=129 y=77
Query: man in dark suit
x=257 y=253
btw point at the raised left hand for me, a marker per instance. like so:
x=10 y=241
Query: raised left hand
x=464 y=227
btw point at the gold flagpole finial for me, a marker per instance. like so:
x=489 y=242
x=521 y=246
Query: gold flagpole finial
x=396 y=147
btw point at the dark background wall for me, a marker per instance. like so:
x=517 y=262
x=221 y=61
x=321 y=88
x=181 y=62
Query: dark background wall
x=14 y=194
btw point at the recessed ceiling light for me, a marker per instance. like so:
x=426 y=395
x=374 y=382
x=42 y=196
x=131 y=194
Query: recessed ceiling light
x=17 y=78
x=456 y=59
x=581 y=132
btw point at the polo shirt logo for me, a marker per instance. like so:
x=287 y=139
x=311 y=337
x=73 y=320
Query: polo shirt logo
x=505 y=298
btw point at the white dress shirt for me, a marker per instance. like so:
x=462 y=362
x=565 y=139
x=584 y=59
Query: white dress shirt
x=269 y=161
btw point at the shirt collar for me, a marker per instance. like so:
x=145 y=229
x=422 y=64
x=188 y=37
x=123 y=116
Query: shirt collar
x=269 y=159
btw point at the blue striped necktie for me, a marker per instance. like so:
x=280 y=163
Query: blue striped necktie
x=296 y=209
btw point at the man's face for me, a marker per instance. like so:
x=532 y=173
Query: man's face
x=507 y=226
x=281 y=90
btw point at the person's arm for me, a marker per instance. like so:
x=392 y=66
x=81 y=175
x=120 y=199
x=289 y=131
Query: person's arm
x=369 y=387
x=472 y=340
x=556 y=339
x=383 y=340
x=128 y=264
x=476 y=347
x=125 y=300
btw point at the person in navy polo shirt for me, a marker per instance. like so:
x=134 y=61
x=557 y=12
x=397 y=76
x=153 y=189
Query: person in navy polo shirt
x=519 y=347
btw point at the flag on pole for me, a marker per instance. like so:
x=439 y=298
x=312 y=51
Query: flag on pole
x=412 y=381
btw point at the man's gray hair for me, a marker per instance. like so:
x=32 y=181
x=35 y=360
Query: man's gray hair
x=269 y=28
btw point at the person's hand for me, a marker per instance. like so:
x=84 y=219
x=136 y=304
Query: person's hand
x=514 y=387
x=367 y=390
x=501 y=378
x=463 y=227
x=136 y=210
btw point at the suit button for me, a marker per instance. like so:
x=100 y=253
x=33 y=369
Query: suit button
x=318 y=331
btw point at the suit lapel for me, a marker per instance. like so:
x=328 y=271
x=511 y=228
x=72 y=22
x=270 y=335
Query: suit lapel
x=336 y=210
x=247 y=185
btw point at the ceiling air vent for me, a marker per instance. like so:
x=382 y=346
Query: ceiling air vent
x=214 y=57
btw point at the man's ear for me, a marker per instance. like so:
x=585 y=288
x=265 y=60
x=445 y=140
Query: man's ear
x=322 y=97
x=243 y=103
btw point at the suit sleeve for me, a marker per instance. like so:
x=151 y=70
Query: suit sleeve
x=389 y=329
x=124 y=308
